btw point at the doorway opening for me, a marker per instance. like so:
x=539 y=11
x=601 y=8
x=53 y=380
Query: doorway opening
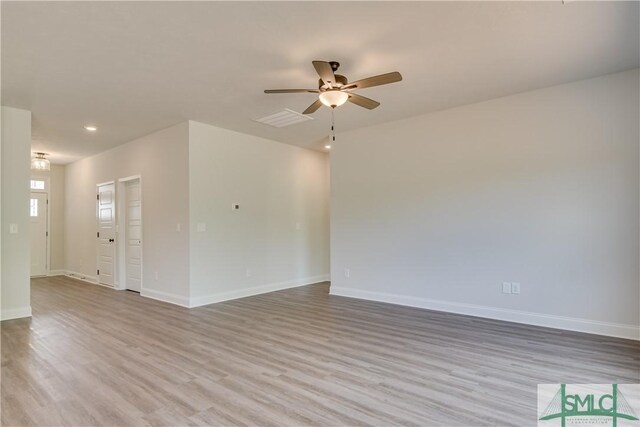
x=130 y=232
x=39 y=226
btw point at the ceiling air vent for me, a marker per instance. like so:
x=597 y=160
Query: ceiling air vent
x=284 y=118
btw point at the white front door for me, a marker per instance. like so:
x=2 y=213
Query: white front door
x=133 y=250
x=106 y=233
x=38 y=231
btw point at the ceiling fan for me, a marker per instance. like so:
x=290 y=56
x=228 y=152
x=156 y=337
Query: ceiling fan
x=334 y=89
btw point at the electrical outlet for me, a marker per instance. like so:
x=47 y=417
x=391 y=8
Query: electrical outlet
x=347 y=273
x=506 y=287
x=515 y=288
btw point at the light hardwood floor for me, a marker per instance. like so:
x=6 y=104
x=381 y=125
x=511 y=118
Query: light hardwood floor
x=95 y=356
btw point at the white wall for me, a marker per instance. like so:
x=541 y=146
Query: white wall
x=281 y=231
x=161 y=158
x=540 y=188
x=15 y=170
x=192 y=173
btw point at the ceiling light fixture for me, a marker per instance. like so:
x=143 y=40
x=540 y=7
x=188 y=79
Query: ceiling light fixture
x=90 y=128
x=40 y=163
x=333 y=98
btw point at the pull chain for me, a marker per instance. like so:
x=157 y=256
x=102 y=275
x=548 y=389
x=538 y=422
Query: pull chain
x=333 y=126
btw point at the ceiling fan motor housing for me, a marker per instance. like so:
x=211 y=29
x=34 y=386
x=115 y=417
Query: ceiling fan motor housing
x=340 y=80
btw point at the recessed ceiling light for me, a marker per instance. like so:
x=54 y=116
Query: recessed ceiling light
x=91 y=128
x=327 y=147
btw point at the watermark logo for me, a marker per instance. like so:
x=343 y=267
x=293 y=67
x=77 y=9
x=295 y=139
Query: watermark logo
x=563 y=405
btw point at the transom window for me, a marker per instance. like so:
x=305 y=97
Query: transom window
x=37 y=184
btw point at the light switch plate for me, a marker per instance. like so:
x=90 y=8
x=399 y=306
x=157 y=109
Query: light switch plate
x=506 y=287
x=13 y=228
x=515 y=288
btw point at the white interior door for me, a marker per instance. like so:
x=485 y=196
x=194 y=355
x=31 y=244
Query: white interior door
x=133 y=249
x=106 y=233
x=38 y=232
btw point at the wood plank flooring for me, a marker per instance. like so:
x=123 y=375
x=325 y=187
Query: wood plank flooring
x=95 y=356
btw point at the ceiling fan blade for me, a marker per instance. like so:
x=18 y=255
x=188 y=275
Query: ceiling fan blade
x=313 y=107
x=382 y=79
x=325 y=72
x=363 y=101
x=291 y=91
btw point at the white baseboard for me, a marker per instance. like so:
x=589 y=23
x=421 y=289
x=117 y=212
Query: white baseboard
x=83 y=277
x=256 y=290
x=16 y=313
x=165 y=297
x=550 y=321
x=57 y=273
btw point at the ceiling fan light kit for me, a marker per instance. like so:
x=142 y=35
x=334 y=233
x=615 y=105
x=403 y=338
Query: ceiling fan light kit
x=333 y=98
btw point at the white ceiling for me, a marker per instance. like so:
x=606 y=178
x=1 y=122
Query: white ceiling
x=134 y=67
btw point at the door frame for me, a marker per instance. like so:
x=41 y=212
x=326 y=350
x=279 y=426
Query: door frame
x=47 y=191
x=121 y=243
x=115 y=263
